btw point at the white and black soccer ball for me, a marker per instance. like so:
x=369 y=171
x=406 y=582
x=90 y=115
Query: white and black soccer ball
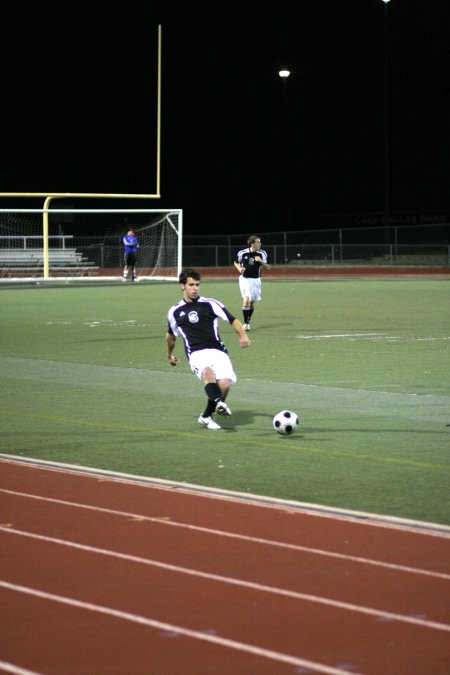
x=285 y=422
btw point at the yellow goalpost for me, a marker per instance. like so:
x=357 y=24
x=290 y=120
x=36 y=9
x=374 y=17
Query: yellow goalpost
x=79 y=195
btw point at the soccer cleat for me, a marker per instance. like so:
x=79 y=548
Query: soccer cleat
x=246 y=326
x=223 y=409
x=208 y=422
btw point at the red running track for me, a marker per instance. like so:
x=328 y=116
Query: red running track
x=104 y=574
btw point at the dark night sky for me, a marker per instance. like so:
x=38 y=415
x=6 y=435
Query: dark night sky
x=239 y=151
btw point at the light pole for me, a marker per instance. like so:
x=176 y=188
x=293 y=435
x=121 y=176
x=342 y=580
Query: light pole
x=284 y=75
x=386 y=116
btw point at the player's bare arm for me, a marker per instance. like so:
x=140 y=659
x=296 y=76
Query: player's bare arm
x=263 y=264
x=244 y=340
x=170 y=342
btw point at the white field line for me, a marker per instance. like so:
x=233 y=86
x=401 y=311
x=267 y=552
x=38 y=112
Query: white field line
x=172 y=628
x=336 y=604
x=372 y=336
x=232 y=535
x=337 y=335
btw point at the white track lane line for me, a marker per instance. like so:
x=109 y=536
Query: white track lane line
x=196 y=635
x=336 y=604
x=232 y=535
x=16 y=670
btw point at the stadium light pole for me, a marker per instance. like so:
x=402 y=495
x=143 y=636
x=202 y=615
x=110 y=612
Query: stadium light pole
x=284 y=74
x=386 y=117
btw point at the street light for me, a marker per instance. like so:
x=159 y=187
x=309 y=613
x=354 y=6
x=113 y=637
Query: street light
x=386 y=116
x=284 y=75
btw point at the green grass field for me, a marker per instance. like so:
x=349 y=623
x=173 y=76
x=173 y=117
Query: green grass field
x=365 y=364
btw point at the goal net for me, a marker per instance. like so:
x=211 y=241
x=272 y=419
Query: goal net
x=87 y=243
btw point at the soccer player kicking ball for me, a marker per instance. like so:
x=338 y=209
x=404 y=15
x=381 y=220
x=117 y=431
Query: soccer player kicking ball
x=195 y=319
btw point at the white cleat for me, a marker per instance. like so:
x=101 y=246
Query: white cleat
x=223 y=409
x=208 y=422
x=246 y=326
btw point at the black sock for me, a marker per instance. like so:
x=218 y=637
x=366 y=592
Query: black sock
x=210 y=408
x=250 y=312
x=247 y=312
x=214 y=396
x=213 y=392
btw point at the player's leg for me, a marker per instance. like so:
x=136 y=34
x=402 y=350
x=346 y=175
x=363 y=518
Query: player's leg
x=250 y=311
x=216 y=391
x=247 y=312
x=132 y=265
x=212 y=391
x=255 y=295
x=246 y=301
x=203 y=364
x=224 y=386
x=225 y=377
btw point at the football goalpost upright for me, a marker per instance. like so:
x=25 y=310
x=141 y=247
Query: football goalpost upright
x=82 y=243
x=87 y=243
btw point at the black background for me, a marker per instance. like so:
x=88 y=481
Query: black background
x=242 y=150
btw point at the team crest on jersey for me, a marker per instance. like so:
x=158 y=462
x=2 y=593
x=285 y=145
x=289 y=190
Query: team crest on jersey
x=193 y=317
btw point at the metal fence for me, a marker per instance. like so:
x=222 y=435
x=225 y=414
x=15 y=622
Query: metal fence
x=389 y=245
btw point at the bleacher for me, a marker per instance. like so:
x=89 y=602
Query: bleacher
x=61 y=259
x=25 y=253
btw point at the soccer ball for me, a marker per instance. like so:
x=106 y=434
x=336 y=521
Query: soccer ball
x=285 y=422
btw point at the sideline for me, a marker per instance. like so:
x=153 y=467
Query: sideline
x=373 y=519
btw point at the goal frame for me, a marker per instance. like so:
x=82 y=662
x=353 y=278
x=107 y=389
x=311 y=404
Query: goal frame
x=164 y=212
x=48 y=196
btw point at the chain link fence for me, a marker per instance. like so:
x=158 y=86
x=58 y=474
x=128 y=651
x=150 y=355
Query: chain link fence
x=387 y=245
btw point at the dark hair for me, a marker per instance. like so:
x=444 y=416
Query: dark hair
x=188 y=272
x=252 y=238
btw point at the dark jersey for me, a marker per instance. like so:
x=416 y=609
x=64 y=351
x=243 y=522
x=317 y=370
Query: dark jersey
x=196 y=322
x=246 y=258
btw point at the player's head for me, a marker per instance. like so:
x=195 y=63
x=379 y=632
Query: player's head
x=254 y=240
x=131 y=233
x=188 y=272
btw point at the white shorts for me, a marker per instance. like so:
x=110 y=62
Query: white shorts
x=218 y=361
x=250 y=288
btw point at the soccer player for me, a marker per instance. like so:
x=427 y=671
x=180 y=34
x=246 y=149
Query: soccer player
x=249 y=262
x=195 y=319
x=130 y=245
